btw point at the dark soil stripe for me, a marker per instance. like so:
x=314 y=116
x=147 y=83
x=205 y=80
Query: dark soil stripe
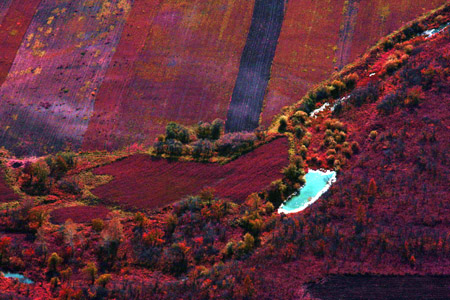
x=346 y=34
x=382 y=287
x=256 y=61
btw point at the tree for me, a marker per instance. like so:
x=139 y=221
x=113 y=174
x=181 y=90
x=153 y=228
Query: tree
x=372 y=191
x=217 y=127
x=112 y=237
x=52 y=265
x=91 y=271
x=177 y=132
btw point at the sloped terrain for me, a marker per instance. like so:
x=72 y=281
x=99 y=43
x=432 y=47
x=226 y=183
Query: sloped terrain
x=106 y=74
x=381 y=123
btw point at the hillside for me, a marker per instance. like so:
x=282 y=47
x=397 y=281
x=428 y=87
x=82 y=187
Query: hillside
x=97 y=74
x=194 y=216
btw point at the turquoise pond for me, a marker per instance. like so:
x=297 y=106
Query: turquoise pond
x=19 y=277
x=317 y=183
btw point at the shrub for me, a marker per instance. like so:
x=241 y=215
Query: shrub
x=91 y=271
x=103 y=280
x=174 y=147
x=350 y=80
x=70 y=186
x=175 y=260
x=275 y=193
x=217 y=128
x=355 y=147
x=299 y=132
x=202 y=149
x=336 y=89
x=308 y=104
x=282 y=125
x=387 y=44
x=60 y=164
x=293 y=172
x=249 y=242
x=321 y=93
x=334 y=124
x=53 y=263
x=36 y=181
x=235 y=143
x=112 y=236
x=299 y=117
x=203 y=130
x=97 y=225
x=414 y=97
x=373 y=134
x=361 y=95
x=66 y=274
x=388 y=103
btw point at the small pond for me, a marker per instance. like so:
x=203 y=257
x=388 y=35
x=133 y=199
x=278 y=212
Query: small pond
x=431 y=32
x=317 y=183
x=19 y=277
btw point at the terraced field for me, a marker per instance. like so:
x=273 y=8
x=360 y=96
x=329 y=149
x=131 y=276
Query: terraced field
x=141 y=181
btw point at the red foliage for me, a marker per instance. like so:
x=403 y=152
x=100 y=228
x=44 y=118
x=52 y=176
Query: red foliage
x=6 y=193
x=78 y=214
x=145 y=182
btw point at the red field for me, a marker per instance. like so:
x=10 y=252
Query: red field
x=78 y=214
x=175 y=62
x=145 y=182
x=14 y=23
x=50 y=90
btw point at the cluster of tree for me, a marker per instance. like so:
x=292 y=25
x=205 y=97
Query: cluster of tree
x=39 y=177
x=203 y=141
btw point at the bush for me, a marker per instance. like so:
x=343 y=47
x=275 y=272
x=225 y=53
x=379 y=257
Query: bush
x=70 y=186
x=361 y=95
x=337 y=88
x=414 y=97
x=36 y=180
x=97 y=225
x=53 y=263
x=299 y=117
x=235 y=143
x=308 y=104
x=175 y=260
x=299 y=132
x=103 y=280
x=202 y=148
x=350 y=80
x=294 y=172
x=275 y=193
x=217 y=128
x=203 y=130
x=388 y=103
x=174 y=147
x=282 y=125
x=387 y=44
x=91 y=271
x=60 y=164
